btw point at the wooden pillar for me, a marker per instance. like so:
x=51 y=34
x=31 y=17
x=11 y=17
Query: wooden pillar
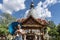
x=42 y=33
x=35 y=37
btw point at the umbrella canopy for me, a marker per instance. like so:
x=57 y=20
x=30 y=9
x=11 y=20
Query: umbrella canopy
x=12 y=27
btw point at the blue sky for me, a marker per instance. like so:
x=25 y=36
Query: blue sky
x=55 y=10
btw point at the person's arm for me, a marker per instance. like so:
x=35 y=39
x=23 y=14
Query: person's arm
x=22 y=31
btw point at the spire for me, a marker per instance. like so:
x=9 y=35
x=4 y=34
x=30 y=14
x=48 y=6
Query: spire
x=32 y=5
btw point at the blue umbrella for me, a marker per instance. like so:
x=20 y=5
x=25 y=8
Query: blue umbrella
x=12 y=27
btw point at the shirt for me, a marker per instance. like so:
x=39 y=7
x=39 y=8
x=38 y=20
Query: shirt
x=19 y=36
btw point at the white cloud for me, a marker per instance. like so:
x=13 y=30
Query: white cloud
x=0 y=6
x=13 y=5
x=50 y=2
x=41 y=10
x=42 y=7
x=26 y=13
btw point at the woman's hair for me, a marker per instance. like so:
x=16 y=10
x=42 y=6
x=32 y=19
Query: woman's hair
x=18 y=27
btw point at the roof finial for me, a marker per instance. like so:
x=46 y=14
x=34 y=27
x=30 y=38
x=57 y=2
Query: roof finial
x=32 y=4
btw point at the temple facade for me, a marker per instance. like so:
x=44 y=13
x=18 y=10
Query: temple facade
x=34 y=27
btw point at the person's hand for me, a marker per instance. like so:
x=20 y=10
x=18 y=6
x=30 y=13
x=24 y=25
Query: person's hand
x=23 y=32
x=18 y=31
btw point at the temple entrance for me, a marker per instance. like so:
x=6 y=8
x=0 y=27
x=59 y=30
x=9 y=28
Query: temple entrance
x=30 y=37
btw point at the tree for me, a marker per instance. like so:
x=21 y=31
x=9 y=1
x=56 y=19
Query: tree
x=7 y=18
x=53 y=32
x=58 y=27
x=52 y=29
x=51 y=24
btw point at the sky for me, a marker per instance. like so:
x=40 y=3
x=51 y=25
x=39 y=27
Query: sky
x=50 y=8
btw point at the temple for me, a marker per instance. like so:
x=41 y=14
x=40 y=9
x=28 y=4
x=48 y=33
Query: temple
x=34 y=27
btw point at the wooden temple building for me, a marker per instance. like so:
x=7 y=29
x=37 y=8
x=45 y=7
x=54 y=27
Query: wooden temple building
x=34 y=27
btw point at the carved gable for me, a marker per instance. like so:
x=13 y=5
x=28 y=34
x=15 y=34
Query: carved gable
x=30 y=21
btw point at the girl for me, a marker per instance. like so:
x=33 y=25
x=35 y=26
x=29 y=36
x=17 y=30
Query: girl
x=19 y=33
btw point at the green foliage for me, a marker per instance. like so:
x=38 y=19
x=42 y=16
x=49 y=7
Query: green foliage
x=7 y=18
x=53 y=32
x=51 y=24
x=3 y=29
x=58 y=28
x=52 y=29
